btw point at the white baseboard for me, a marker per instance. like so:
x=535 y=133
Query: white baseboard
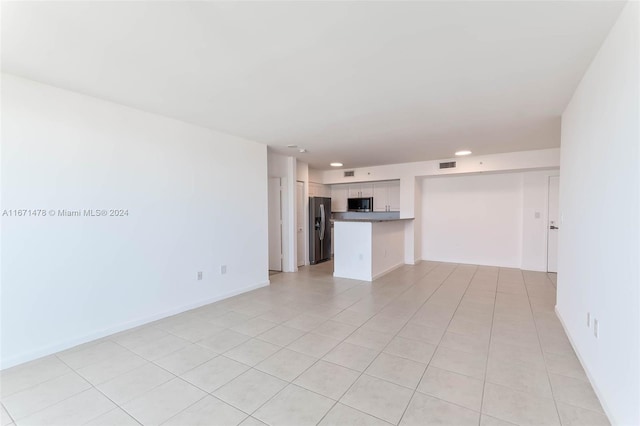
x=472 y=262
x=386 y=271
x=351 y=277
x=51 y=349
x=607 y=412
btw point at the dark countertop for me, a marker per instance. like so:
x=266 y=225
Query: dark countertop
x=369 y=220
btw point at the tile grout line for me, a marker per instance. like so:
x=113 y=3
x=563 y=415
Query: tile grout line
x=250 y=367
x=13 y=421
x=344 y=341
x=535 y=324
x=382 y=350
x=437 y=346
x=282 y=347
x=175 y=376
x=396 y=334
x=486 y=367
x=98 y=390
x=72 y=370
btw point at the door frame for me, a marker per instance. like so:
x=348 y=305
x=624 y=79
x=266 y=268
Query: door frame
x=272 y=181
x=548 y=224
x=303 y=225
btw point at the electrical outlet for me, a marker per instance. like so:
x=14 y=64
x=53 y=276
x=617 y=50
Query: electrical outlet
x=360 y=256
x=199 y=276
x=588 y=319
x=596 y=327
x=223 y=269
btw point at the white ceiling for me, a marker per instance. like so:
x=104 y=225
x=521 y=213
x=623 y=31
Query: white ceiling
x=363 y=83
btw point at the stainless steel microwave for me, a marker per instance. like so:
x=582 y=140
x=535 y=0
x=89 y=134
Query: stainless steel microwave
x=360 y=204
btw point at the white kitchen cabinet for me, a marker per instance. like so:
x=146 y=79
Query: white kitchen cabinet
x=393 y=196
x=319 y=190
x=386 y=196
x=380 y=195
x=339 y=196
x=361 y=190
x=366 y=190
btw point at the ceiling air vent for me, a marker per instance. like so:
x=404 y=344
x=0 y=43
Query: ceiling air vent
x=349 y=173
x=448 y=165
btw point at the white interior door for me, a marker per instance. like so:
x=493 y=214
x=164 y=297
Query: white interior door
x=300 y=222
x=553 y=225
x=275 y=224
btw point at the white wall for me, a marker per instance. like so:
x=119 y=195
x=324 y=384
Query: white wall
x=352 y=245
x=600 y=214
x=473 y=219
x=487 y=219
x=315 y=175
x=387 y=250
x=196 y=200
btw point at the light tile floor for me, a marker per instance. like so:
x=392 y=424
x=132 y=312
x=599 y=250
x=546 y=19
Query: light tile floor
x=433 y=343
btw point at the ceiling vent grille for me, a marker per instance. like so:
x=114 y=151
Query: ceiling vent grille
x=448 y=165
x=349 y=173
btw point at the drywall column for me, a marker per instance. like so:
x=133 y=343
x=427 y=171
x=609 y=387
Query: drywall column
x=417 y=223
x=290 y=242
x=408 y=202
x=600 y=214
x=302 y=170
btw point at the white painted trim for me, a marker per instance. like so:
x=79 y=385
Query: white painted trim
x=385 y=272
x=48 y=350
x=478 y=263
x=607 y=412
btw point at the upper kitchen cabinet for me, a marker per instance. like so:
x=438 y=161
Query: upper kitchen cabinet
x=319 y=190
x=393 y=196
x=386 y=196
x=339 y=196
x=361 y=190
x=380 y=195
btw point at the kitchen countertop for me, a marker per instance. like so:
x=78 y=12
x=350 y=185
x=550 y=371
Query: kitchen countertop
x=369 y=220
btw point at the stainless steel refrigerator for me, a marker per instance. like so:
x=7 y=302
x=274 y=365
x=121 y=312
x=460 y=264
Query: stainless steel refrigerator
x=319 y=229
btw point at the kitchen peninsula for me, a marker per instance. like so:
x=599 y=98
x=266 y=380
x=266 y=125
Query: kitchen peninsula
x=365 y=249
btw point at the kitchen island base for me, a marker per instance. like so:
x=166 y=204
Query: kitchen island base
x=368 y=249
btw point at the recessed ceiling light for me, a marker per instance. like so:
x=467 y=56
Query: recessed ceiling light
x=336 y=164
x=463 y=152
x=292 y=146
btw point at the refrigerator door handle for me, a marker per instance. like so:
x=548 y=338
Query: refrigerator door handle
x=322 y=222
